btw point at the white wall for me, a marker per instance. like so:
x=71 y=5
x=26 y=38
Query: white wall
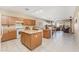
x=76 y=24
x=0 y=23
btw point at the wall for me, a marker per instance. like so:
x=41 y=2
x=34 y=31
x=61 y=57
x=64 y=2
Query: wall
x=0 y=24
x=76 y=23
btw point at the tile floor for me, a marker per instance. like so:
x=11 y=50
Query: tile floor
x=60 y=42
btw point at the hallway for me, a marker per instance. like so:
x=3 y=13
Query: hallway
x=60 y=42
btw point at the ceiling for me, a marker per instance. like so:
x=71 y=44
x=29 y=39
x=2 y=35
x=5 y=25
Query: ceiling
x=44 y=12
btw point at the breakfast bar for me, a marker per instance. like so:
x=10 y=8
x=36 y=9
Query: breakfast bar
x=31 y=38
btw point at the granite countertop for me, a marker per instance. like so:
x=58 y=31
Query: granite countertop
x=31 y=31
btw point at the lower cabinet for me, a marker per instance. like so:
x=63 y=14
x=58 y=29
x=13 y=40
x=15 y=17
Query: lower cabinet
x=8 y=36
x=31 y=41
x=47 y=33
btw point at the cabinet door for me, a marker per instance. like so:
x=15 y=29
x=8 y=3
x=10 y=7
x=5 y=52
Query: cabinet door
x=29 y=22
x=9 y=36
x=36 y=40
x=8 y=20
x=46 y=33
x=33 y=22
x=4 y=20
x=25 y=38
x=12 y=20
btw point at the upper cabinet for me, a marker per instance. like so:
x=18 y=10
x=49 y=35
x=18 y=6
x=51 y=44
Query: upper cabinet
x=4 y=20
x=8 y=20
x=29 y=22
x=12 y=20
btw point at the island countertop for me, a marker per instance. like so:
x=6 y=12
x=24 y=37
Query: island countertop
x=31 y=31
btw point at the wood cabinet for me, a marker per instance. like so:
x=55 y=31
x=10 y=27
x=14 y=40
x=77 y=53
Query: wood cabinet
x=0 y=36
x=47 y=33
x=9 y=28
x=12 y=20
x=29 y=22
x=31 y=41
x=8 y=20
x=4 y=20
x=8 y=36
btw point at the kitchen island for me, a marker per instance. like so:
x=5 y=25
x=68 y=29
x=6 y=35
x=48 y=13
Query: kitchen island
x=31 y=38
x=47 y=33
x=0 y=37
